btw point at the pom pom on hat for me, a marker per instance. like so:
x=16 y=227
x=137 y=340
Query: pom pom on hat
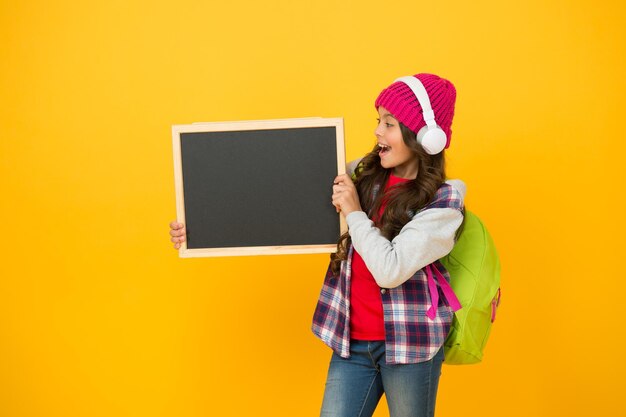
x=400 y=101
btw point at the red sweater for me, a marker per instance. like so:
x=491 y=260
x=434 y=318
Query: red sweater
x=366 y=306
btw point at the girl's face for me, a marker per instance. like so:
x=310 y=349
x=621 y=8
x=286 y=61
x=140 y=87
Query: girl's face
x=393 y=152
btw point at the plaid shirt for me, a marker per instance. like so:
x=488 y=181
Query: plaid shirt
x=410 y=336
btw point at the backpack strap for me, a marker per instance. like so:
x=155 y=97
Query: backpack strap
x=494 y=305
x=449 y=295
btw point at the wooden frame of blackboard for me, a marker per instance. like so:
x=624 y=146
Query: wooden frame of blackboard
x=248 y=130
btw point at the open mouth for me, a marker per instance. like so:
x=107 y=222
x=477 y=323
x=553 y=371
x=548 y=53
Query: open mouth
x=383 y=149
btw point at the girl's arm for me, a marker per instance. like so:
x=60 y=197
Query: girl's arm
x=428 y=237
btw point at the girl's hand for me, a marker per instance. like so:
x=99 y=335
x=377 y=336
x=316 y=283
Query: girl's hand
x=345 y=196
x=178 y=233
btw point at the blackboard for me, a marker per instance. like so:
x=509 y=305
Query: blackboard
x=258 y=187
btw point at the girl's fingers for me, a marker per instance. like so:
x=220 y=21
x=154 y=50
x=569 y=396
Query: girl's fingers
x=176 y=233
x=338 y=188
x=341 y=179
x=343 y=182
x=336 y=201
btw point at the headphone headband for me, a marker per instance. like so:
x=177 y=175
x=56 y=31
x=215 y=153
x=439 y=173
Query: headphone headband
x=422 y=96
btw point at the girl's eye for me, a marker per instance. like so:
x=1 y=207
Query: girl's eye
x=386 y=124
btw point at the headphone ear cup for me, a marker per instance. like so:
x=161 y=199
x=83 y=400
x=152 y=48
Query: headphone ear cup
x=433 y=140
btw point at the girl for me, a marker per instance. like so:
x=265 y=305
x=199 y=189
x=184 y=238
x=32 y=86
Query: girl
x=381 y=309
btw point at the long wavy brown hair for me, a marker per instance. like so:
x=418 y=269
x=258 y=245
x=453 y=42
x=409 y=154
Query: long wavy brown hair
x=403 y=200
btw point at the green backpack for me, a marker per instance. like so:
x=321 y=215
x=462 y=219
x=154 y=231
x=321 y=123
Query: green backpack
x=474 y=269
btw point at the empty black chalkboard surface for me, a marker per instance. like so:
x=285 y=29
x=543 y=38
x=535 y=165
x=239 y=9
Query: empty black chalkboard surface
x=258 y=187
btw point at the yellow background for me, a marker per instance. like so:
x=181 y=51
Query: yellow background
x=99 y=316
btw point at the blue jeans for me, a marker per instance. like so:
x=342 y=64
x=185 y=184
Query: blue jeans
x=354 y=386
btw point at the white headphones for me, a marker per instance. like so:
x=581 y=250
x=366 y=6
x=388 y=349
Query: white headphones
x=432 y=138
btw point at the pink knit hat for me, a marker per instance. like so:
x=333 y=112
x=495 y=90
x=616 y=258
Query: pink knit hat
x=404 y=106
